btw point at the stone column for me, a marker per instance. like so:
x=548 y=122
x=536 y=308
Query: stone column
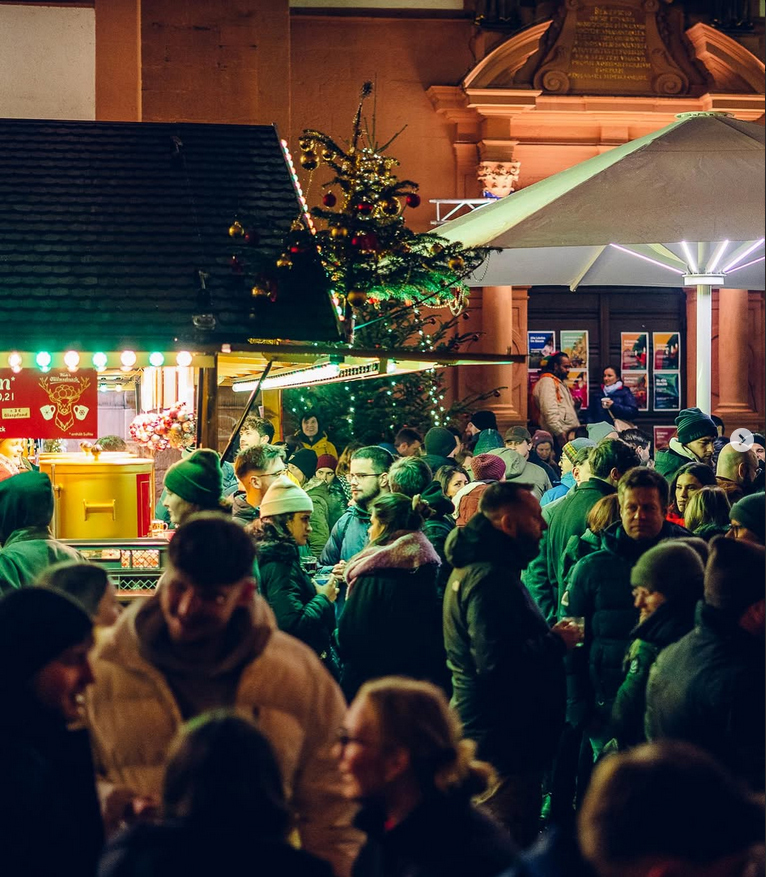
x=733 y=365
x=497 y=325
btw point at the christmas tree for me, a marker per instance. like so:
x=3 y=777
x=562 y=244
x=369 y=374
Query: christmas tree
x=386 y=281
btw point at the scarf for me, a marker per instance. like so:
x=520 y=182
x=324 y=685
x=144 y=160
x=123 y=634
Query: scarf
x=408 y=551
x=557 y=382
x=611 y=388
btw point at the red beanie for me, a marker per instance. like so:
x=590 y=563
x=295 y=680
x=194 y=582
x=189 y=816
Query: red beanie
x=488 y=467
x=327 y=461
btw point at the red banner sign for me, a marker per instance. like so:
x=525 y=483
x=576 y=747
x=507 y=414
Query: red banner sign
x=54 y=405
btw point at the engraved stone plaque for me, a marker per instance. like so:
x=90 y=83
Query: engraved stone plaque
x=610 y=47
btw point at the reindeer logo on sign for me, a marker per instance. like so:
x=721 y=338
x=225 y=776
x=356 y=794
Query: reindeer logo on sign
x=64 y=396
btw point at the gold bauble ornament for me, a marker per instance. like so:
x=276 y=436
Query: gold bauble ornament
x=284 y=261
x=235 y=229
x=309 y=160
x=356 y=297
x=328 y=154
x=436 y=249
x=456 y=263
x=338 y=231
x=260 y=292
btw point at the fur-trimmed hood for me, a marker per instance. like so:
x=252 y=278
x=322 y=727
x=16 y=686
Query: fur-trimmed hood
x=408 y=551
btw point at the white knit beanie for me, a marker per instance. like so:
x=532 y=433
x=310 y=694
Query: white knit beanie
x=284 y=496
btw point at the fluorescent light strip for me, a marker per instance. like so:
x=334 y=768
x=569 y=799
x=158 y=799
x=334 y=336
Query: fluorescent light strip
x=744 y=255
x=710 y=269
x=747 y=264
x=689 y=258
x=647 y=259
x=301 y=377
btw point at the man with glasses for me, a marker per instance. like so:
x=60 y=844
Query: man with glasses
x=368 y=477
x=256 y=468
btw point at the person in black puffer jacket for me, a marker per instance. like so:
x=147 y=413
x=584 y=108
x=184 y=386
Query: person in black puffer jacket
x=667 y=584
x=302 y=609
x=391 y=623
x=599 y=591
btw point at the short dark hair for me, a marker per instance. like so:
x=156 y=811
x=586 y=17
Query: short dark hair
x=380 y=458
x=410 y=476
x=222 y=775
x=614 y=368
x=642 y=476
x=612 y=454
x=255 y=458
x=501 y=494
x=630 y=811
x=553 y=360
x=407 y=436
x=635 y=438
x=263 y=427
x=212 y=550
x=309 y=413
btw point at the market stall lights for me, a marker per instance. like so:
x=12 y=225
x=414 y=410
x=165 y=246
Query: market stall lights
x=183 y=359
x=99 y=361
x=128 y=358
x=647 y=259
x=747 y=264
x=689 y=258
x=744 y=255
x=72 y=360
x=15 y=360
x=298 y=378
x=44 y=360
x=717 y=257
x=156 y=359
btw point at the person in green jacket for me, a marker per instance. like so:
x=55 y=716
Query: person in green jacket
x=28 y=546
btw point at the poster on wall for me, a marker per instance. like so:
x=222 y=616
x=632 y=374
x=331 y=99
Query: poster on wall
x=532 y=378
x=667 y=391
x=667 y=351
x=638 y=384
x=633 y=347
x=662 y=437
x=58 y=404
x=578 y=387
x=575 y=344
x=539 y=345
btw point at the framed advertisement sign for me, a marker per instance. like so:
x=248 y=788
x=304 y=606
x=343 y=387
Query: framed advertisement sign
x=667 y=391
x=57 y=404
x=539 y=345
x=662 y=437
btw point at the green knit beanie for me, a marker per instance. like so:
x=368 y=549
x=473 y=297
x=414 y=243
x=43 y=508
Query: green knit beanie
x=672 y=568
x=694 y=424
x=197 y=479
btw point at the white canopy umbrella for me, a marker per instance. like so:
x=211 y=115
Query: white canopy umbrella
x=683 y=206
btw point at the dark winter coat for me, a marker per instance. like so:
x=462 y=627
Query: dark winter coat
x=177 y=849
x=443 y=837
x=320 y=516
x=50 y=821
x=241 y=510
x=708 y=689
x=599 y=589
x=624 y=407
x=567 y=517
x=507 y=667
x=391 y=623
x=667 y=624
x=668 y=461
x=348 y=536
x=299 y=609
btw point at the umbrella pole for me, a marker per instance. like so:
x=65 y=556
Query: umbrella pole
x=704 y=345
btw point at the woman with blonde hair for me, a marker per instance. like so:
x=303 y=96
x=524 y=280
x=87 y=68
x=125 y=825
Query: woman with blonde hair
x=401 y=755
x=392 y=618
x=707 y=512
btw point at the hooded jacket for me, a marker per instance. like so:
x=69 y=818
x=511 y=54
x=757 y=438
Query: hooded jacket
x=320 y=444
x=669 y=460
x=507 y=667
x=599 y=590
x=26 y=510
x=391 y=622
x=517 y=468
x=708 y=689
x=133 y=715
x=348 y=536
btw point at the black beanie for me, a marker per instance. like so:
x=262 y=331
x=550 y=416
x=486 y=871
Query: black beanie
x=36 y=626
x=84 y=582
x=484 y=420
x=197 y=479
x=306 y=460
x=734 y=575
x=439 y=442
x=673 y=569
x=750 y=512
x=694 y=424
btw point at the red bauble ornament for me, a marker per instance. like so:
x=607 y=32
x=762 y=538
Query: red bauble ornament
x=297 y=249
x=364 y=208
x=329 y=200
x=412 y=200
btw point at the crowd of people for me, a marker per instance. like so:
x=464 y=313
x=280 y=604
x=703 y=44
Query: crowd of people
x=529 y=653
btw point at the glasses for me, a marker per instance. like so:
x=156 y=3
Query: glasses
x=271 y=474
x=355 y=476
x=344 y=739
